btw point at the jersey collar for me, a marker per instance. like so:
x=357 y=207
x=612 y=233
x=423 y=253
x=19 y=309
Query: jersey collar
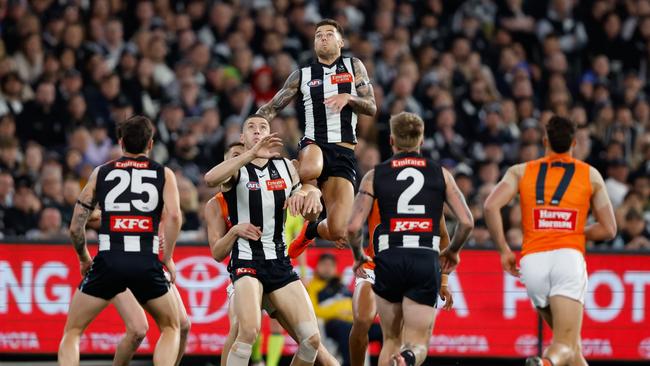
x=330 y=65
x=557 y=156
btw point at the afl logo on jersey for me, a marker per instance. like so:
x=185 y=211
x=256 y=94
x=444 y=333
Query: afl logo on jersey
x=315 y=83
x=253 y=186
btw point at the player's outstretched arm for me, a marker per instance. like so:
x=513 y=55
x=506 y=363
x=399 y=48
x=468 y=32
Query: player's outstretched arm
x=502 y=194
x=82 y=210
x=173 y=220
x=605 y=226
x=364 y=102
x=305 y=199
x=456 y=201
x=228 y=169
x=282 y=98
x=360 y=211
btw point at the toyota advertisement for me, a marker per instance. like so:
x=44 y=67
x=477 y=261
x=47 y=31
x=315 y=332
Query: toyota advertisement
x=492 y=315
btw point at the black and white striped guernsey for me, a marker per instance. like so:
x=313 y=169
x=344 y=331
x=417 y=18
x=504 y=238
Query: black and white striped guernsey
x=258 y=198
x=410 y=193
x=318 y=82
x=130 y=194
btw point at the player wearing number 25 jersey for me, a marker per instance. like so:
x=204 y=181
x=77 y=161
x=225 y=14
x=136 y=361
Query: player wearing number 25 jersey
x=556 y=193
x=133 y=193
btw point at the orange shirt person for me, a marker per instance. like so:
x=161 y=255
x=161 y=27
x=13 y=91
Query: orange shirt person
x=556 y=193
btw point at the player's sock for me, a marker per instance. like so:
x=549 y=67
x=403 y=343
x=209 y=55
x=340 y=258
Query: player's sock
x=256 y=352
x=409 y=357
x=301 y=242
x=239 y=354
x=312 y=230
x=274 y=349
x=547 y=362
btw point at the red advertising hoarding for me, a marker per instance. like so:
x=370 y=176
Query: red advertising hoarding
x=492 y=315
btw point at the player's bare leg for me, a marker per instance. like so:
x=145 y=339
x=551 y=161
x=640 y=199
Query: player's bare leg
x=293 y=301
x=416 y=332
x=364 y=310
x=311 y=163
x=390 y=318
x=164 y=311
x=83 y=309
x=247 y=302
x=232 y=333
x=338 y=194
x=185 y=324
x=578 y=358
x=136 y=327
x=566 y=321
x=323 y=358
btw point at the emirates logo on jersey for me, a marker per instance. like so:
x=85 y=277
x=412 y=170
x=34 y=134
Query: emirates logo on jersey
x=131 y=224
x=132 y=164
x=276 y=185
x=314 y=83
x=342 y=78
x=253 y=186
x=413 y=225
x=416 y=162
x=553 y=219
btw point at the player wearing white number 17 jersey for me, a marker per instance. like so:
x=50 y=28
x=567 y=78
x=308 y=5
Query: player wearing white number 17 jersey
x=132 y=192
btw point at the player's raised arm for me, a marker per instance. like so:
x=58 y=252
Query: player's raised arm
x=502 y=194
x=226 y=170
x=305 y=199
x=364 y=101
x=605 y=226
x=82 y=210
x=456 y=201
x=282 y=98
x=360 y=211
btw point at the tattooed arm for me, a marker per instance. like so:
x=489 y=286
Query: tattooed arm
x=282 y=98
x=456 y=201
x=82 y=211
x=364 y=102
x=361 y=209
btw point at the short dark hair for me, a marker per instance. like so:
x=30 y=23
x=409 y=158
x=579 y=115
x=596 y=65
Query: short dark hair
x=560 y=132
x=333 y=23
x=229 y=147
x=255 y=115
x=135 y=132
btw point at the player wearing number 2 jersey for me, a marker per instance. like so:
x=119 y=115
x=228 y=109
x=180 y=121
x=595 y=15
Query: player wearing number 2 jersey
x=133 y=192
x=410 y=191
x=556 y=192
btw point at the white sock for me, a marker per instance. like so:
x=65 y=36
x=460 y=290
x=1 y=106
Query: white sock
x=240 y=354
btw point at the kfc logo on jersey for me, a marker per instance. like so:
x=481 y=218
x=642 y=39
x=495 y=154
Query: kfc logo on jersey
x=132 y=224
x=342 y=78
x=276 y=185
x=555 y=219
x=416 y=162
x=132 y=164
x=414 y=225
x=314 y=83
x=253 y=186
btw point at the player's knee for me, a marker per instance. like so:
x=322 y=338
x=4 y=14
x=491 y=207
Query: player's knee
x=309 y=341
x=363 y=321
x=247 y=333
x=338 y=232
x=185 y=326
x=137 y=332
x=309 y=172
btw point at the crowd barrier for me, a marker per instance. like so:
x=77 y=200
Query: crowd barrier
x=492 y=316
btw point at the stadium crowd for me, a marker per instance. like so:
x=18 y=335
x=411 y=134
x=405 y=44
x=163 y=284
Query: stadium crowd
x=484 y=75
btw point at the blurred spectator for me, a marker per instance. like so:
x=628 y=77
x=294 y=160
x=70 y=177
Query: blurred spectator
x=333 y=304
x=635 y=233
x=23 y=216
x=616 y=183
x=49 y=226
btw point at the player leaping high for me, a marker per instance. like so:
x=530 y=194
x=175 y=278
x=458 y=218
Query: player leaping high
x=331 y=92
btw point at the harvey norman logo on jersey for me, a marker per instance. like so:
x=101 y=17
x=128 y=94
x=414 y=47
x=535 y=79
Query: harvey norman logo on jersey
x=555 y=219
x=416 y=162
